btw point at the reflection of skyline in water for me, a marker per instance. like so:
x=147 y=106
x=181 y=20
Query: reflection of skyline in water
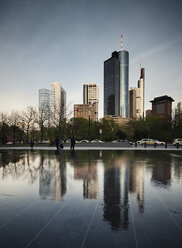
x=116 y=197
x=123 y=175
x=52 y=178
x=88 y=173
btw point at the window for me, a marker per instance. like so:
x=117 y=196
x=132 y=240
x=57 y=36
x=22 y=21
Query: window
x=160 y=108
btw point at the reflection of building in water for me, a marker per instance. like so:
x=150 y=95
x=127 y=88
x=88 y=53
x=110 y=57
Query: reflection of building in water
x=52 y=180
x=90 y=188
x=88 y=173
x=136 y=182
x=116 y=196
x=161 y=174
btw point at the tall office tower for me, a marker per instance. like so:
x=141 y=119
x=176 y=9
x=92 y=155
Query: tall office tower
x=59 y=99
x=132 y=103
x=136 y=98
x=179 y=107
x=46 y=100
x=91 y=96
x=140 y=96
x=116 y=84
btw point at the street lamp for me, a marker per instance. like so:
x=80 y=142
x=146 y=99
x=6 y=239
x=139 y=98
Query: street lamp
x=89 y=124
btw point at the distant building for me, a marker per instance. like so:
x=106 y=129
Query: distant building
x=59 y=99
x=84 y=111
x=54 y=100
x=137 y=98
x=118 y=119
x=179 y=107
x=148 y=112
x=116 y=84
x=132 y=103
x=91 y=96
x=162 y=106
x=46 y=100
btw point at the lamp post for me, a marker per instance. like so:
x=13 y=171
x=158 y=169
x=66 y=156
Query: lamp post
x=89 y=124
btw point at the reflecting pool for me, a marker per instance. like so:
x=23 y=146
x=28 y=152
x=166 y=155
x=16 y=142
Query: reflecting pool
x=90 y=199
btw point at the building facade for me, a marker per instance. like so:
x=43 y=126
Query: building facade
x=54 y=100
x=59 y=99
x=85 y=111
x=162 y=106
x=179 y=107
x=46 y=100
x=91 y=96
x=116 y=84
x=137 y=98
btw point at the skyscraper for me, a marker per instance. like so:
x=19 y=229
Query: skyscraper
x=46 y=100
x=137 y=98
x=91 y=96
x=54 y=100
x=59 y=99
x=116 y=84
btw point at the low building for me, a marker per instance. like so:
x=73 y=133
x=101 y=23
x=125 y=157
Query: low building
x=148 y=112
x=118 y=119
x=162 y=106
x=84 y=111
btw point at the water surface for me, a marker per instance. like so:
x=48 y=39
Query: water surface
x=90 y=199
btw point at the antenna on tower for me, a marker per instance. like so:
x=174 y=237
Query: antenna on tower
x=121 y=42
x=140 y=63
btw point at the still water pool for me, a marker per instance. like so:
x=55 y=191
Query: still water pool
x=90 y=199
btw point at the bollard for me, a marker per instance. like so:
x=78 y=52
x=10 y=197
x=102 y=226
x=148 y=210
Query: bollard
x=135 y=144
x=145 y=145
x=155 y=144
x=177 y=145
x=165 y=144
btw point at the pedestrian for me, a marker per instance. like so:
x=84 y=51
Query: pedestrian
x=72 y=147
x=57 y=142
x=61 y=145
x=31 y=144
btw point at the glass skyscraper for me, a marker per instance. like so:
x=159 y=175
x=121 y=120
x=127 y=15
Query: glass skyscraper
x=116 y=84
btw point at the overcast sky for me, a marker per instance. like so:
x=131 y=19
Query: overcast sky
x=42 y=41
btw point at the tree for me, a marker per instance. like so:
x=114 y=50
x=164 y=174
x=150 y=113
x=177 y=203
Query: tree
x=27 y=118
x=41 y=117
x=13 y=121
x=4 y=127
x=109 y=128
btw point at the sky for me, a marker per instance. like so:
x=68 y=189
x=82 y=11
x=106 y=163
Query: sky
x=42 y=41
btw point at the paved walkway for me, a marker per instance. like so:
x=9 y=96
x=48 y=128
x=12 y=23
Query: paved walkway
x=97 y=147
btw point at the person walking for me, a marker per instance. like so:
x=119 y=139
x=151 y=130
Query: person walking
x=72 y=147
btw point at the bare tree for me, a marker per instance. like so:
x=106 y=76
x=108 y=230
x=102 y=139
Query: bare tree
x=41 y=118
x=3 y=123
x=13 y=121
x=59 y=117
x=28 y=118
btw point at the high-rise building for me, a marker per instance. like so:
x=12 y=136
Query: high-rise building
x=91 y=96
x=59 y=99
x=132 y=103
x=179 y=107
x=136 y=98
x=85 y=111
x=46 y=100
x=116 y=84
x=54 y=100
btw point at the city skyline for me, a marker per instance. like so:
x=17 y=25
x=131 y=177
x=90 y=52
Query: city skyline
x=48 y=41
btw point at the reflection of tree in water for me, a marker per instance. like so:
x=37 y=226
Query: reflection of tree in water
x=34 y=167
